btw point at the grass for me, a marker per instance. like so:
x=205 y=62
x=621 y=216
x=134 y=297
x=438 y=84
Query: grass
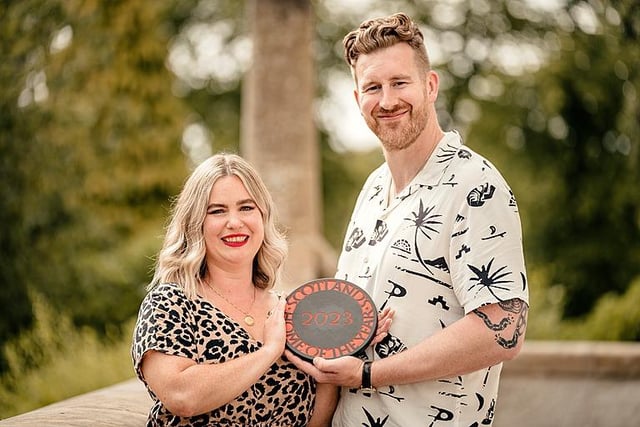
x=55 y=361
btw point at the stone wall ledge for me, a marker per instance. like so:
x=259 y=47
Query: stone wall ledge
x=598 y=359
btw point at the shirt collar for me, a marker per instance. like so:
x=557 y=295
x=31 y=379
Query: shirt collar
x=434 y=169
x=431 y=174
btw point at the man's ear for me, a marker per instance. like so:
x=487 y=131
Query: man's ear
x=357 y=98
x=433 y=85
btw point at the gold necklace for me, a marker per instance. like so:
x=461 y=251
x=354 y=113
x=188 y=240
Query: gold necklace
x=248 y=318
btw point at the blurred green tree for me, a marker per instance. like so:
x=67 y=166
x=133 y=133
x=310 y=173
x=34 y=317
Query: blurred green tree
x=15 y=129
x=572 y=131
x=590 y=100
x=91 y=151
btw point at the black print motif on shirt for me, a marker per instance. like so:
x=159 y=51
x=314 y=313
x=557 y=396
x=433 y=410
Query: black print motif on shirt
x=412 y=189
x=442 y=415
x=464 y=154
x=389 y=346
x=378 y=189
x=463 y=250
x=451 y=182
x=374 y=422
x=480 y=194
x=460 y=233
x=380 y=392
x=355 y=240
x=512 y=200
x=439 y=300
x=488 y=417
x=379 y=232
x=425 y=223
x=439 y=263
x=426 y=276
x=402 y=249
x=391 y=393
x=489 y=280
x=403 y=246
x=398 y=291
x=366 y=273
x=493 y=233
x=446 y=153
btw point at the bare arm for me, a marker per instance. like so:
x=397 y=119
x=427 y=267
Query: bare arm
x=485 y=337
x=326 y=401
x=187 y=388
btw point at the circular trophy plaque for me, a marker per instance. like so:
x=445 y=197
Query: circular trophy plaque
x=329 y=318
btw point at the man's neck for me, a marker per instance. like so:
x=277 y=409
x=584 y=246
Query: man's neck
x=405 y=164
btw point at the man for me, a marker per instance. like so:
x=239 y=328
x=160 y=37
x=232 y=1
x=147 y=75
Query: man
x=436 y=236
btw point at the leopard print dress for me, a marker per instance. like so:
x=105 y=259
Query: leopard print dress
x=171 y=323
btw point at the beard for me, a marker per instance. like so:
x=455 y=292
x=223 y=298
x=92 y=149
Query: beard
x=398 y=135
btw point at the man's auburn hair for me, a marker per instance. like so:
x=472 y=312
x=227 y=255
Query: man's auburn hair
x=379 y=33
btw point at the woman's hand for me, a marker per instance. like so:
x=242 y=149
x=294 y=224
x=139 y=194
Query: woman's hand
x=274 y=330
x=385 y=318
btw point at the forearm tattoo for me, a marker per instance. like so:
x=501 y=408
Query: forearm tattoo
x=514 y=309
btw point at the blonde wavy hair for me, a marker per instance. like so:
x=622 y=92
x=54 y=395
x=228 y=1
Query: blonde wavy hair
x=182 y=257
x=379 y=33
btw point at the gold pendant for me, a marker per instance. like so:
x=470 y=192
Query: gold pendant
x=248 y=319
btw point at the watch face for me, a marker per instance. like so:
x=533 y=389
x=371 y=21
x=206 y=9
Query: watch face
x=329 y=318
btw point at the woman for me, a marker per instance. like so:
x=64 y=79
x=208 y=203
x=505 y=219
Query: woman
x=210 y=334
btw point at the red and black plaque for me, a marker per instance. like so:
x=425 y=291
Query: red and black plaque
x=329 y=318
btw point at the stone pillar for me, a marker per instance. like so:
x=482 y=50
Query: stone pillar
x=278 y=133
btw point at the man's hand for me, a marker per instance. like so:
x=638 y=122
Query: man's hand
x=347 y=370
x=342 y=371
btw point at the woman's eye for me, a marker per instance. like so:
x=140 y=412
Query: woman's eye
x=215 y=211
x=247 y=208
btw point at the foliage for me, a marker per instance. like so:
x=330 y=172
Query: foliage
x=569 y=135
x=91 y=153
x=599 y=164
x=70 y=361
x=615 y=317
x=16 y=175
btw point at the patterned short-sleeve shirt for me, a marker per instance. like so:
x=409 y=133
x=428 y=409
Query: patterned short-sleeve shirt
x=171 y=323
x=449 y=243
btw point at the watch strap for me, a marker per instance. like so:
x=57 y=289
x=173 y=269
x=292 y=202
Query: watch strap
x=366 y=376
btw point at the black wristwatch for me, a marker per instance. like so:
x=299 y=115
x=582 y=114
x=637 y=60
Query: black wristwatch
x=366 y=377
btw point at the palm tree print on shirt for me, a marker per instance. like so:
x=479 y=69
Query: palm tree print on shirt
x=426 y=223
x=489 y=280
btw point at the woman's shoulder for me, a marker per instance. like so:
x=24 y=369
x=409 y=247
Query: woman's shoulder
x=165 y=293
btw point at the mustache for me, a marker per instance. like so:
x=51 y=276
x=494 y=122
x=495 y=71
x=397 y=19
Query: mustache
x=390 y=111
